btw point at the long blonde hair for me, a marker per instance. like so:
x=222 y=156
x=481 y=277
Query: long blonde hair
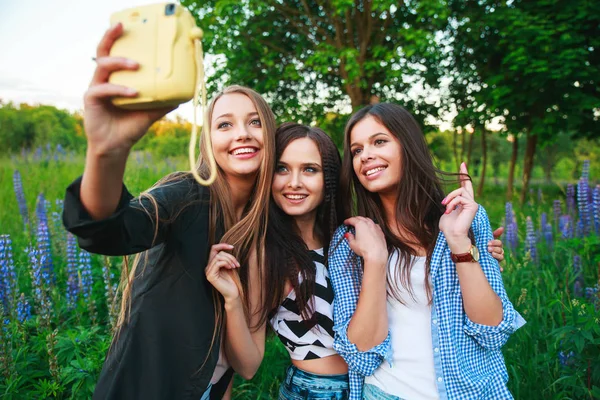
x=245 y=235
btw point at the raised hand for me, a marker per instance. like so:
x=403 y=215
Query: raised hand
x=460 y=212
x=219 y=271
x=368 y=240
x=108 y=128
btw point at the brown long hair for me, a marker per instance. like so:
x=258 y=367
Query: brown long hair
x=287 y=254
x=246 y=235
x=418 y=201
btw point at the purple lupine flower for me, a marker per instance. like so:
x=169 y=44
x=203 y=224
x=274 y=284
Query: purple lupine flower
x=39 y=284
x=547 y=232
x=570 y=199
x=43 y=245
x=531 y=241
x=585 y=170
x=565 y=225
x=110 y=290
x=57 y=230
x=38 y=154
x=8 y=278
x=557 y=209
x=578 y=274
x=20 y=194
x=592 y=294
x=596 y=207
x=23 y=309
x=582 y=202
x=40 y=209
x=511 y=227
x=73 y=285
x=540 y=195
x=566 y=359
x=85 y=270
x=579 y=229
x=544 y=219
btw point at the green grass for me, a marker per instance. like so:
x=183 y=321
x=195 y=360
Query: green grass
x=541 y=293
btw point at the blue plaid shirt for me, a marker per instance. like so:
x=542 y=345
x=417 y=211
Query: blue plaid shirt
x=468 y=361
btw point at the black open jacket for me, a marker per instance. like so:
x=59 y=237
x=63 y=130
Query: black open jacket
x=164 y=351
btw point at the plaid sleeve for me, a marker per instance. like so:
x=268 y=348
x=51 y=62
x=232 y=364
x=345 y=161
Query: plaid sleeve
x=491 y=337
x=345 y=270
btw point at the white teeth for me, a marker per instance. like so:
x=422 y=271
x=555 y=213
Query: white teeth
x=245 y=150
x=374 y=170
x=295 y=196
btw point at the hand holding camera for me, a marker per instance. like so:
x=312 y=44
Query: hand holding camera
x=112 y=130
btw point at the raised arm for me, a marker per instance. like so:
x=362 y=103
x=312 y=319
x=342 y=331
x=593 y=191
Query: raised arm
x=111 y=132
x=489 y=315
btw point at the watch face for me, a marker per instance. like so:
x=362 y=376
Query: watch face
x=475 y=253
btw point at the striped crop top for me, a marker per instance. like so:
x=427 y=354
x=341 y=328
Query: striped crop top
x=301 y=341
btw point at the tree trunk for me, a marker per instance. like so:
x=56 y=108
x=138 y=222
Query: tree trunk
x=484 y=161
x=455 y=148
x=463 y=145
x=528 y=165
x=548 y=170
x=359 y=97
x=470 y=148
x=511 y=169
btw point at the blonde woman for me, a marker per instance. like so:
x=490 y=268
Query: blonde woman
x=168 y=341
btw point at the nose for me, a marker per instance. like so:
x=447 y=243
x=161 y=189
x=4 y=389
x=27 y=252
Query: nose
x=365 y=155
x=243 y=133
x=295 y=180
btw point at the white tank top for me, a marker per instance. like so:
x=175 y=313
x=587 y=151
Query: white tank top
x=412 y=375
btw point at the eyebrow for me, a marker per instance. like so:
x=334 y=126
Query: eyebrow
x=371 y=137
x=229 y=115
x=303 y=165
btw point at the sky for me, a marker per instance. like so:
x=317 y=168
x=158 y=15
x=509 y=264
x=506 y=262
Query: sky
x=46 y=49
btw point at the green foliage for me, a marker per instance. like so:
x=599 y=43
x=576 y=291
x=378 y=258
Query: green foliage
x=310 y=57
x=535 y=63
x=557 y=323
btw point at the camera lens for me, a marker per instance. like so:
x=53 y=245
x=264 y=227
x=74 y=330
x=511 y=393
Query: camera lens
x=170 y=9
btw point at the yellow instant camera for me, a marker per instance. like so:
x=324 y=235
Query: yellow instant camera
x=161 y=38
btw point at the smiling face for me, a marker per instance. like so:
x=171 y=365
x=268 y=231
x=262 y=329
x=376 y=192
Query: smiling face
x=298 y=184
x=376 y=156
x=237 y=135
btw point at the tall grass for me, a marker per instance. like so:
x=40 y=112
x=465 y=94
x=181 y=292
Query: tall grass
x=54 y=335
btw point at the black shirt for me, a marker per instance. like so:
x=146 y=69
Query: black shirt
x=164 y=351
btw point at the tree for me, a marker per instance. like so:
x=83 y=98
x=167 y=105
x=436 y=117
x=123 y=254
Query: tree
x=538 y=63
x=311 y=57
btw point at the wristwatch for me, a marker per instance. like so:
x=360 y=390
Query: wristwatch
x=471 y=256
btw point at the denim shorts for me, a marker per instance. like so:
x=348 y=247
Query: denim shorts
x=372 y=392
x=302 y=385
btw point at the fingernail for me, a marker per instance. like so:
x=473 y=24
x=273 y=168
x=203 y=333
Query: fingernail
x=131 y=91
x=346 y=235
x=444 y=201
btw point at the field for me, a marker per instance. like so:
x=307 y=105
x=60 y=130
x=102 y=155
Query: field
x=58 y=301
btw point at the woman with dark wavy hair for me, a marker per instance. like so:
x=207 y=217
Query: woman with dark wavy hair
x=411 y=287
